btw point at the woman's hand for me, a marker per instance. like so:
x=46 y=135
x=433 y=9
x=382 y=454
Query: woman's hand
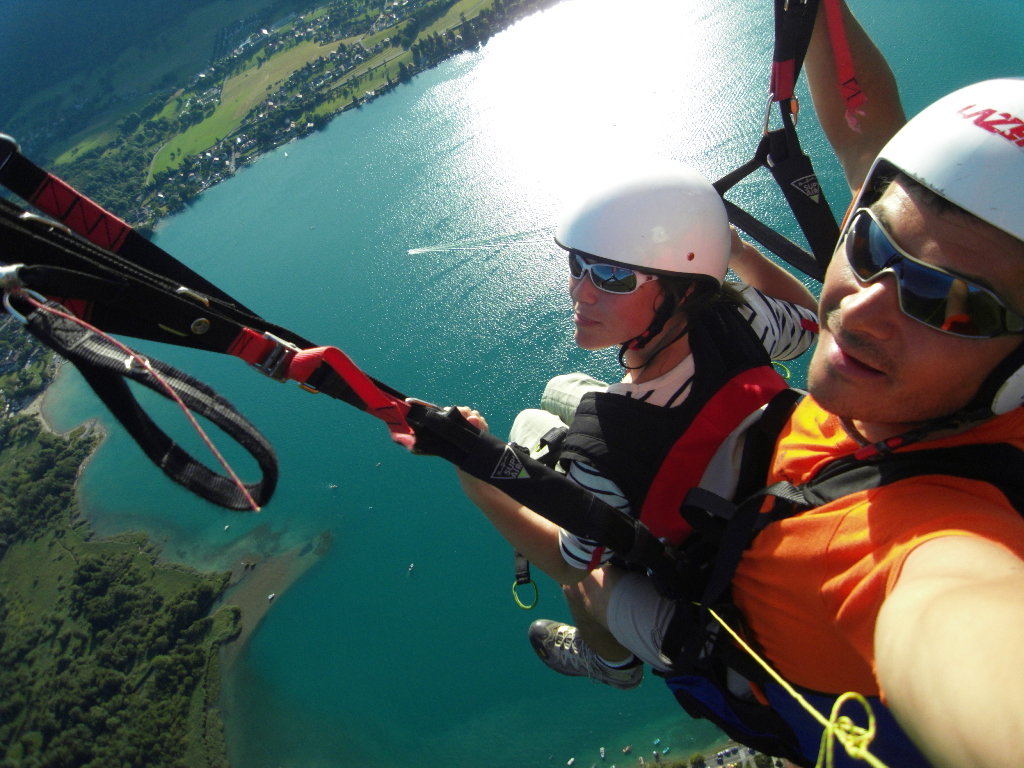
x=474 y=417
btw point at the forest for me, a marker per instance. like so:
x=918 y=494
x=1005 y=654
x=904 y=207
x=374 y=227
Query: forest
x=108 y=655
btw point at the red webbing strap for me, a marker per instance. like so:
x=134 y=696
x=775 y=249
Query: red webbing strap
x=783 y=79
x=687 y=460
x=389 y=409
x=60 y=200
x=283 y=361
x=794 y=22
x=846 y=75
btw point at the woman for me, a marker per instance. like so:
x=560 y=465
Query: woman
x=648 y=258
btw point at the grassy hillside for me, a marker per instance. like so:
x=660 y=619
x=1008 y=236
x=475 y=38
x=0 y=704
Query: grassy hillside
x=70 y=70
x=146 y=134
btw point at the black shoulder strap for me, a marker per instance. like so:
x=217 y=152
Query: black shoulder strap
x=759 y=446
x=998 y=464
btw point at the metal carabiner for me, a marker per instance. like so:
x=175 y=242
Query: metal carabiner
x=794 y=110
x=10 y=307
x=768 y=113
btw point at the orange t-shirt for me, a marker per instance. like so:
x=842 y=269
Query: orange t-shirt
x=811 y=585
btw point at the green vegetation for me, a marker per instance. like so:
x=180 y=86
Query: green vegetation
x=266 y=85
x=26 y=367
x=107 y=656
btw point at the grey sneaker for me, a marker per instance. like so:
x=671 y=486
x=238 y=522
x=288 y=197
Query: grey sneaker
x=559 y=646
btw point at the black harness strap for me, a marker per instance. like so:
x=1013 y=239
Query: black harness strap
x=59 y=200
x=780 y=152
x=999 y=464
x=447 y=434
x=105 y=366
x=121 y=297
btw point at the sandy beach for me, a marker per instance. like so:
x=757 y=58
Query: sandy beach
x=257 y=581
x=254 y=575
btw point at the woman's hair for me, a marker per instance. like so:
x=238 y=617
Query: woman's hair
x=689 y=295
x=705 y=294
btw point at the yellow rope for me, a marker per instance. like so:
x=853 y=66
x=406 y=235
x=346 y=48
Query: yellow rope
x=855 y=739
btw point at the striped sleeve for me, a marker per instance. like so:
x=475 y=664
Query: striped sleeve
x=786 y=330
x=578 y=551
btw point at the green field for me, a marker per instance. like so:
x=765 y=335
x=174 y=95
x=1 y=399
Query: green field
x=126 y=77
x=146 y=151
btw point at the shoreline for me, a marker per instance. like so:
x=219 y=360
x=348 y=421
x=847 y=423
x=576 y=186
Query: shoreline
x=257 y=581
x=253 y=574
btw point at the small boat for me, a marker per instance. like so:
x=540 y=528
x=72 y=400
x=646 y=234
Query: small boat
x=271 y=596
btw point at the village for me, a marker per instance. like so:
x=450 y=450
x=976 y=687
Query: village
x=178 y=146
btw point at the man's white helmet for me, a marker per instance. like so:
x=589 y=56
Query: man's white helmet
x=669 y=220
x=968 y=147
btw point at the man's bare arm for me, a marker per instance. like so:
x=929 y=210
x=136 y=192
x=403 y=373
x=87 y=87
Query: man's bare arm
x=882 y=112
x=947 y=645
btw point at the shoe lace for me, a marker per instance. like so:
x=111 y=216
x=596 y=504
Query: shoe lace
x=579 y=654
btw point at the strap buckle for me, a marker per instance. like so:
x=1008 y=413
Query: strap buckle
x=277 y=359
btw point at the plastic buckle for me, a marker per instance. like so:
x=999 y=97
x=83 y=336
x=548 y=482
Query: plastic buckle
x=275 y=364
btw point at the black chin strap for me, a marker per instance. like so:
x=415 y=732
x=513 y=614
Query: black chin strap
x=661 y=316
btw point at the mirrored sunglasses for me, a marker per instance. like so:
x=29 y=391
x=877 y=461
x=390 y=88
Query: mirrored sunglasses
x=608 y=277
x=938 y=298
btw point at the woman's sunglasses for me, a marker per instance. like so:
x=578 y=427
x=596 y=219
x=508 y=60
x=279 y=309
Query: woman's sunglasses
x=607 y=277
x=933 y=296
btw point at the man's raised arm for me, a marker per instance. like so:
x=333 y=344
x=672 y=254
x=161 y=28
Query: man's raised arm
x=876 y=119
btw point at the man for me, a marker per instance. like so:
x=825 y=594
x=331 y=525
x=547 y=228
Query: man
x=912 y=591
x=926 y=608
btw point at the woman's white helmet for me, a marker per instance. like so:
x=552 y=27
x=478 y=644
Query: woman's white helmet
x=665 y=220
x=968 y=147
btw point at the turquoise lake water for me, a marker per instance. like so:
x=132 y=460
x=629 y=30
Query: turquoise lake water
x=415 y=234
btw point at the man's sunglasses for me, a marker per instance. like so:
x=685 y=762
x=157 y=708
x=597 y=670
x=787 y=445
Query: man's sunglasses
x=939 y=299
x=607 y=277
